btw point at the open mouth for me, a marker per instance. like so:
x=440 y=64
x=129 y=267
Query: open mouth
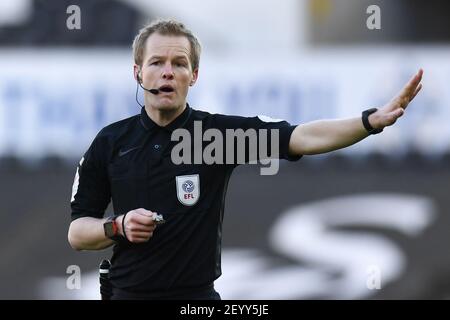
x=166 y=88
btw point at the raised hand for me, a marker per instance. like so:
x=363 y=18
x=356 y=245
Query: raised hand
x=394 y=109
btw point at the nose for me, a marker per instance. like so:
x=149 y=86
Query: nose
x=167 y=72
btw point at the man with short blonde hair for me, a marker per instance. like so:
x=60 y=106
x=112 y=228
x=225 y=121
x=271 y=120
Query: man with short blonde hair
x=130 y=162
x=166 y=28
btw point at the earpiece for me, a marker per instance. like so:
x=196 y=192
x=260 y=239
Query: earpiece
x=138 y=75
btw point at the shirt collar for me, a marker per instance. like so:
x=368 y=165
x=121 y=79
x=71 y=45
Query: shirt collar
x=178 y=122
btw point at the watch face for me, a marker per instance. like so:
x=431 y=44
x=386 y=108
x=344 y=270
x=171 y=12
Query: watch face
x=109 y=229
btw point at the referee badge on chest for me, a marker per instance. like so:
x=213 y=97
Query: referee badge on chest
x=188 y=189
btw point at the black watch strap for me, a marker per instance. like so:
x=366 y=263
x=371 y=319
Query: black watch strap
x=366 y=123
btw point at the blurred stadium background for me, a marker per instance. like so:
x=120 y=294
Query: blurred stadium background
x=321 y=228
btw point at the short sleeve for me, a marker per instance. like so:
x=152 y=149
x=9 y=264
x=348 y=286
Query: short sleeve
x=272 y=134
x=91 y=192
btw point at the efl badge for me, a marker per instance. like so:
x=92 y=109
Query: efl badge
x=188 y=189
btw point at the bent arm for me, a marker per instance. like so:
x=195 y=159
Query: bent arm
x=87 y=233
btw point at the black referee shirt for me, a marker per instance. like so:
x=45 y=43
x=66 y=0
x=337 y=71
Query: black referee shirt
x=130 y=162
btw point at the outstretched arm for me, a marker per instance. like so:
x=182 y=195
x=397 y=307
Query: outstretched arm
x=328 y=135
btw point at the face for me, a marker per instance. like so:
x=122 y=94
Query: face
x=166 y=66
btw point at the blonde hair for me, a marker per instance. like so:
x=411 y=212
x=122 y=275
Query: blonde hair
x=166 y=27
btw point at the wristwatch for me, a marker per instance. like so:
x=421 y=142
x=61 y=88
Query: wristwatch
x=111 y=229
x=366 y=123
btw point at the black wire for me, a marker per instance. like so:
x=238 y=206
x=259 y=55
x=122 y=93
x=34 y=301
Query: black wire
x=137 y=89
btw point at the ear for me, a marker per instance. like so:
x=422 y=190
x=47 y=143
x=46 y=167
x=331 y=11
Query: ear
x=137 y=72
x=194 y=77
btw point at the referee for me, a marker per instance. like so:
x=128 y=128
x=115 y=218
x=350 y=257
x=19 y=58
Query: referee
x=131 y=163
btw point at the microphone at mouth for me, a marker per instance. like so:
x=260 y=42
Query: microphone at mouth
x=153 y=91
x=167 y=89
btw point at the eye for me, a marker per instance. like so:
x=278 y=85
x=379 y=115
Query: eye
x=155 y=63
x=180 y=64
